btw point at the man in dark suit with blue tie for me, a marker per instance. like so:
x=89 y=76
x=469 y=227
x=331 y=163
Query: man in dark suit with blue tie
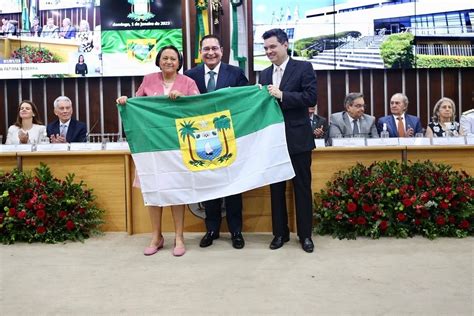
x=293 y=84
x=210 y=76
x=65 y=129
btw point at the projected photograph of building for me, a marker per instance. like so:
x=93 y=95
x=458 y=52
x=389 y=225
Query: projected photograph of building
x=361 y=34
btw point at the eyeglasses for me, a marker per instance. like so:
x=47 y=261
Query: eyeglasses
x=208 y=49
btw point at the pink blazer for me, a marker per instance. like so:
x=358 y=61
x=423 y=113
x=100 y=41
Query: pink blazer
x=152 y=85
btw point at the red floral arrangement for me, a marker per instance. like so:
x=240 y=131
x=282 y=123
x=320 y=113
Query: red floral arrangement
x=389 y=198
x=29 y=54
x=43 y=208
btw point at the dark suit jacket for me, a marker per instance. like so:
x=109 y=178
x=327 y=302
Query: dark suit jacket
x=229 y=76
x=76 y=132
x=410 y=121
x=317 y=122
x=299 y=92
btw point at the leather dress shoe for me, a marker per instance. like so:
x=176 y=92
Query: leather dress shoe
x=307 y=245
x=238 y=241
x=278 y=242
x=208 y=238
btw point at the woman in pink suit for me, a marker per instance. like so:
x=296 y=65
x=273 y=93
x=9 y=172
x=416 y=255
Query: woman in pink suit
x=167 y=82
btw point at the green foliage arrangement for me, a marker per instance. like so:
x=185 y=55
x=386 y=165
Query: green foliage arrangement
x=307 y=47
x=437 y=61
x=29 y=54
x=395 y=199
x=397 y=51
x=42 y=208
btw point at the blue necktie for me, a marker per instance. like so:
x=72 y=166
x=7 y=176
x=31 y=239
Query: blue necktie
x=63 y=130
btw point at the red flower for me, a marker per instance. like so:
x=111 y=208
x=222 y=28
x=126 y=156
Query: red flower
x=383 y=225
x=339 y=216
x=82 y=210
x=407 y=202
x=419 y=183
x=1 y=218
x=464 y=224
x=367 y=208
x=417 y=222
x=425 y=196
x=21 y=214
x=440 y=220
x=425 y=213
x=41 y=214
x=452 y=219
x=361 y=220
x=40 y=229
x=351 y=221
x=351 y=207
x=62 y=214
x=70 y=225
x=39 y=206
x=444 y=205
x=401 y=217
x=12 y=211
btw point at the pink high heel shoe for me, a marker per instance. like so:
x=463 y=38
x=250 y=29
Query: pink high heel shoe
x=178 y=251
x=152 y=250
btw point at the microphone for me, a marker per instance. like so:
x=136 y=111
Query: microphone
x=90 y=130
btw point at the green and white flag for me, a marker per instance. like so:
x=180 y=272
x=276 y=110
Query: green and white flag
x=203 y=147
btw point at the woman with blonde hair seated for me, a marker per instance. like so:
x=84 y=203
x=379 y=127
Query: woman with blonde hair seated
x=28 y=128
x=443 y=123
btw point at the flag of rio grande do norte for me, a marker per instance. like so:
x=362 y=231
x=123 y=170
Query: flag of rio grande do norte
x=202 y=147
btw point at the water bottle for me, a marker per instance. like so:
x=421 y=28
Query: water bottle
x=384 y=132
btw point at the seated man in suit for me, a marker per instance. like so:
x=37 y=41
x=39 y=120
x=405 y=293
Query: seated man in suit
x=65 y=129
x=319 y=124
x=353 y=121
x=399 y=123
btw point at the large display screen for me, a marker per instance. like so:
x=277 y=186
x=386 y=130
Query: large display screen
x=85 y=38
x=368 y=34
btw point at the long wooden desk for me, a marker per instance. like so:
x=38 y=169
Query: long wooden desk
x=110 y=174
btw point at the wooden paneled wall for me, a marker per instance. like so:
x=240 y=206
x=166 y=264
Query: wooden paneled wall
x=94 y=98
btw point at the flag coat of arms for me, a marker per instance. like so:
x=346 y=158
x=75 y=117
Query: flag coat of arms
x=202 y=147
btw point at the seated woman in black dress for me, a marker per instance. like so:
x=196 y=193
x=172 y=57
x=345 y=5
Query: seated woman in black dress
x=442 y=123
x=81 y=67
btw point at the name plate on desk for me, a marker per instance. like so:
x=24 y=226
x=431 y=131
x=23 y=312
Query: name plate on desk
x=85 y=146
x=320 y=142
x=414 y=141
x=382 y=141
x=53 y=147
x=15 y=148
x=348 y=142
x=117 y=146
x=470 y=140
x=449 y=141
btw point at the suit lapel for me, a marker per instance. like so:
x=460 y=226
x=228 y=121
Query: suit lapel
x=347 y=123
x=290 y=68
x=392 y=125
x=222 y=77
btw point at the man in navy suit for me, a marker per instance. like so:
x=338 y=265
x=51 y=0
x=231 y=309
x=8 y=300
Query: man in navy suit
x=293 y=84
x=65 y=129
x=210 y=76
x=399 y=123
